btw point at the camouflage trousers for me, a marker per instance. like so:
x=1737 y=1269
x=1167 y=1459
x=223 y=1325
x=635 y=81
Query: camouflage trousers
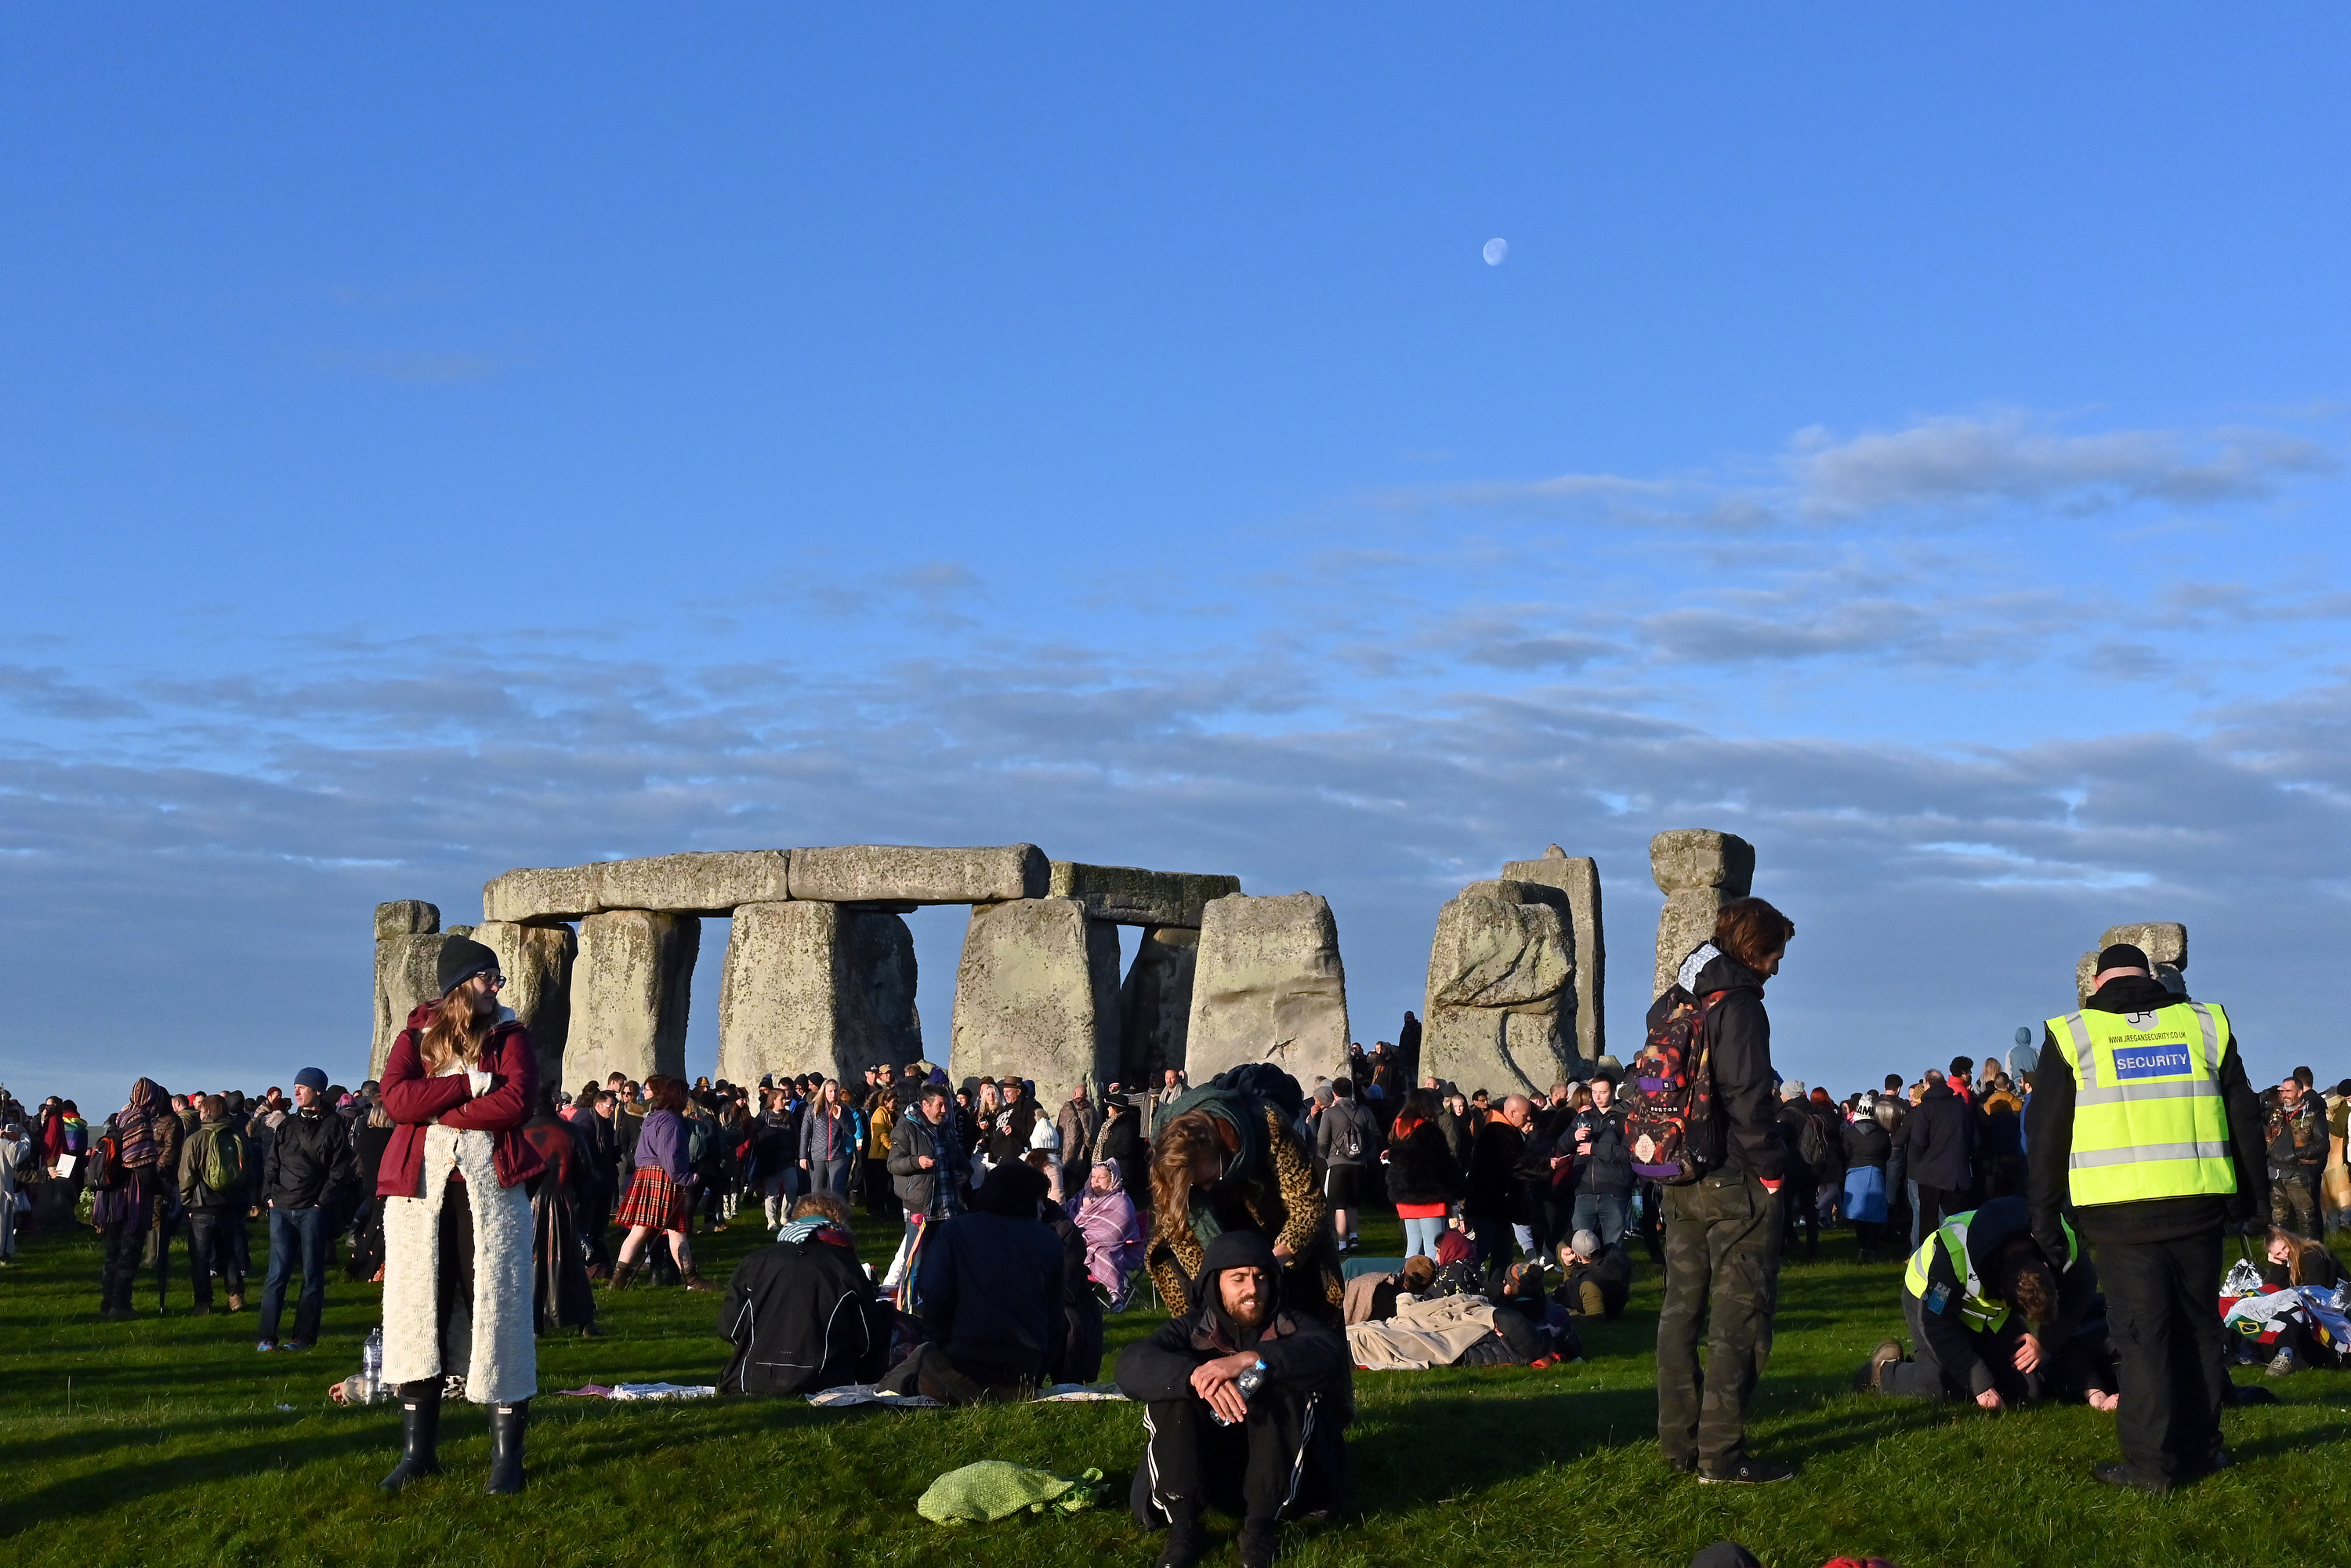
x=1722 y=1274
x=2294 y=1205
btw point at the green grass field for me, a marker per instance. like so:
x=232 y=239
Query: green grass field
x=169 y=1440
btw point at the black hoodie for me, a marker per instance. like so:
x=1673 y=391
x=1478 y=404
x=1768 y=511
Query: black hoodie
x=2049 y=1142
x=1747 y=1136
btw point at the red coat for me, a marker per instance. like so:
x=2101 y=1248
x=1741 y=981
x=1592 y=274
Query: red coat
x=414 y=1101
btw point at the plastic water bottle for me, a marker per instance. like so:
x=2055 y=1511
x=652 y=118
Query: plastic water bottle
x=371 y=1364
x=1250 y=1380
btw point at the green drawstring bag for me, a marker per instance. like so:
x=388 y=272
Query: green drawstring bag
x=996 y=1489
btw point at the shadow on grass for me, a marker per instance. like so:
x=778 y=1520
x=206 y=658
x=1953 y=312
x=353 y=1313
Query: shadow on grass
x=84 y=1495
x=1426 y=1450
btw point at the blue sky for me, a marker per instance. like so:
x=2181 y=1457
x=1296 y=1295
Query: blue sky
x=431 y=443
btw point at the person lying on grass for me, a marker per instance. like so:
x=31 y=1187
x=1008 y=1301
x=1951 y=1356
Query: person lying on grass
x=1246 y=1402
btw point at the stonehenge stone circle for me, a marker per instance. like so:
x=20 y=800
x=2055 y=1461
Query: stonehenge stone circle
x=1698 y=871
x=815 y=986
x=537 y=961
x=1578 y=876
x=407 y=970
x=819 y=972
x=630 y=998
x=2165 y=942
x=1268 y=986
x=1501 y=1012
x=1037 y=996
x=1155 y=1004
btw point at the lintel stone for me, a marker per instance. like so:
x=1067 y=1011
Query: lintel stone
x=699 y=883
x=907 y=873
x=1130 y=895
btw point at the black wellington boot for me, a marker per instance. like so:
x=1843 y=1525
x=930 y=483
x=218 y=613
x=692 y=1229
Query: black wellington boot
x=419 y=1434
x=507 y=1424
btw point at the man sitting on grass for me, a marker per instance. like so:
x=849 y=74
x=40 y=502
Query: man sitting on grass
x=1993 y=1322
x=1244 y=1408
x=990 y=1290
x=801 y=1313
x=1599 y=1276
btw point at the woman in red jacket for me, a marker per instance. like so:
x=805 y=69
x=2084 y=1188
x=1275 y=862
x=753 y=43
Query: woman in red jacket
x=459 y=1084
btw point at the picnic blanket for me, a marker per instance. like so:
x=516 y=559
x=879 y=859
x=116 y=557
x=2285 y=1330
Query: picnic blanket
x=997 y=1489
x=642 y=1391
x=871 y=1393
x=1421 y=1335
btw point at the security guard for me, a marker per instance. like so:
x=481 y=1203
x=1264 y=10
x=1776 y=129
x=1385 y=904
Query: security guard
x=2143 y=1122
x=1995 y=1322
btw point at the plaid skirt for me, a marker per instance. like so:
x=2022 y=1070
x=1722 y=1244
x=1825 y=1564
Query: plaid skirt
x=653 y=1199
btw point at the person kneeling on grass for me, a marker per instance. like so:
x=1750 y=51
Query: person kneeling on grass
x=1245 y=1405
x=1993 y=1322
x=801 y=1313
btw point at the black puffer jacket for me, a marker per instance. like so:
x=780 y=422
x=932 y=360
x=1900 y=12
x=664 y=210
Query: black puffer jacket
x=1421 y=1167
x=1746 y=1127
x=1868 y=1144
x=803 y=1316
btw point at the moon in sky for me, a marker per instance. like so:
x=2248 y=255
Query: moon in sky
x=1495 y=251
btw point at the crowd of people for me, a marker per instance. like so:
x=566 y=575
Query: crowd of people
x=490 y=1207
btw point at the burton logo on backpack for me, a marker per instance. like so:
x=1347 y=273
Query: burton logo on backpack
x=1670 y=1125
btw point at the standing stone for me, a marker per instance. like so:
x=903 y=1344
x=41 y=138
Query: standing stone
x=1268 y=986
x=883 y=972
x=1501 y=1007
x=2165 y=942
x=537 y=961
x=407 y=971
x=1037 y=995
x=1154 y=1005
x=1578 y=876
x=1698 y=871
x=816 y=988
x=630 y=992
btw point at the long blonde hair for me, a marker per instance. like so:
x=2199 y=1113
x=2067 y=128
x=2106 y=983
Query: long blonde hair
x=460 y=1023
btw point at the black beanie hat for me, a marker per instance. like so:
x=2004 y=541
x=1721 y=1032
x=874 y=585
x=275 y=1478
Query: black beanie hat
x=461 y=959
x=2121 y=956
x=1012 y=1189
x=1238 y=1249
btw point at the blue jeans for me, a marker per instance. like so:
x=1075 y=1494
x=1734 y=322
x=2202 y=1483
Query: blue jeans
x=292 y=1231
x=830 y=1176
x=1420 y=1237
x=1597 y=1211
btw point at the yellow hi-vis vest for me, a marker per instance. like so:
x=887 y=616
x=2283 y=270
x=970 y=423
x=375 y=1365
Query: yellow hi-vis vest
x=2149 y=1119
x=1978 y=1311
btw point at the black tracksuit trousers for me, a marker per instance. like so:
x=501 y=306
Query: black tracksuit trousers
x=1254 y=1470
x=2162 y=1313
